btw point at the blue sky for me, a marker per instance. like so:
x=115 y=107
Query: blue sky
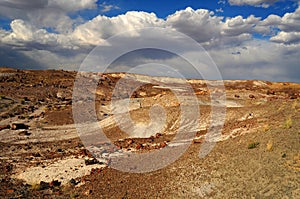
x=247 y=39
x=164 y=8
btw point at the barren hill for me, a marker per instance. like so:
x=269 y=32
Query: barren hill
x=256 y=155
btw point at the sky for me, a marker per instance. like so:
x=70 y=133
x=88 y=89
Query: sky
x=245 y=39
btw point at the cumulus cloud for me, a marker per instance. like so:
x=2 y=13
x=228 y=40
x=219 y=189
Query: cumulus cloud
x=27 y=37
x=46 y=13
x=238 y=25
x=200 y=24
x=97 y=30
x=285 y=29
x=271 y=20
x=287 y=37
x=47 y=36
x=257 y=3
x=210 y=30
x=259 y=59
x=291 y=21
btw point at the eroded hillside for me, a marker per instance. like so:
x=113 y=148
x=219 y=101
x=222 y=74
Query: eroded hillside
x=256 y=155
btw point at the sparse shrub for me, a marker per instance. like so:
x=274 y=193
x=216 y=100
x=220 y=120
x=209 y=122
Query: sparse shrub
x=288 y=123
x=266 y=128
x=295 y=104
x=283 y=155
x=74 y=195
x=270 y=145
x=35 y=187
x=253 y=145
x=22 y=101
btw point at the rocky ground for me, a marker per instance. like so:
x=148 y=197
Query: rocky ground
x=42 y=155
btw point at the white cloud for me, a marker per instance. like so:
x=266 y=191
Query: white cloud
x=3 y=33
x=208 y=29
x=46 y=13
x=220 y=10
x=107 y=7
x=259 y=59
x=69 y=60
x=200 y=24
x=238 y=25
x=258 y=3
x=287 y=37
x=287 y=27
x=291 y=21
x=222 y=2
x=224 y=39
x=21 y=4
x=271 y=20
x=72 y=5
x=26 y=36
x=97 y=30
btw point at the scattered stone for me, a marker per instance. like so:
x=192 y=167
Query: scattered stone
x=138 y=146
x=197 y=141
x=26 y=99
x=95 y=171
x=87 y=192
x=8 y=168
x=129 y=141
x=85 y=152
x=152 y=138
x=293 y=96
x=80 y=144
x=54 y=183
x=10 y=191
x=163 y=144
x=270 y=92
x=158 y=135
x=24 y=133
x=44 y=185
x=143 y=94
x=16 y=126
x=36 y=154
x=91 y=161
x=251 y=96
x=73 y=182
x=59 y=95
x=2 y=127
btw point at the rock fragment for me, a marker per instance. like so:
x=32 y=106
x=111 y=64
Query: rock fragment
x=24 y=133
x=16 y=126
x=2 y=127
x=251 y=96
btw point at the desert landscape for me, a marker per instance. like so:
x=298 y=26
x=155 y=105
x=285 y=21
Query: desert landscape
x=257 y=154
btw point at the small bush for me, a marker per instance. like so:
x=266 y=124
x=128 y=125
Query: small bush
x=266 y=128
x=253 y=145
x=36 y=187
x=288 y=123
x=74 y=195
x=270 y=145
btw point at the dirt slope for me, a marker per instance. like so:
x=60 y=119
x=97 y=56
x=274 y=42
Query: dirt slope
x=256 y=156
